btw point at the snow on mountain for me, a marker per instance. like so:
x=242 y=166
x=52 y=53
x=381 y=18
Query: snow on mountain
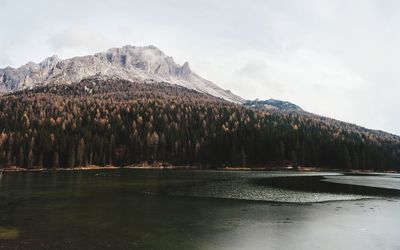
x=129 y=62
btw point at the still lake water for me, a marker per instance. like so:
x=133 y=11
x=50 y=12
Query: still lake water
x=182 y=209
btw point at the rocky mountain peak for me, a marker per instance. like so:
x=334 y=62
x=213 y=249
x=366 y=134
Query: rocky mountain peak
x=48 y=62
x=135 y=63
x=185 y=70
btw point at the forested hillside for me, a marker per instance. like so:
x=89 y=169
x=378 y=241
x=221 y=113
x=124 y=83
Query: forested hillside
x=118 y=122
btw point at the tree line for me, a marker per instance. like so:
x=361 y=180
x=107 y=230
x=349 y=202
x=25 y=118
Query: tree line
x=117 y=122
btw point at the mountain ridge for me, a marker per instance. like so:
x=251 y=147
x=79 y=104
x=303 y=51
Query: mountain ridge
x=272 y=104
x=135 y=63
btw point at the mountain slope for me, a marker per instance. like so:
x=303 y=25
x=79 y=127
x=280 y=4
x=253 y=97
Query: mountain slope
x=119 y=122
x=131 y=63
x=288 y=108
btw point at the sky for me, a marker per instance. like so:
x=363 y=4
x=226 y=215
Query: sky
x=339 y=58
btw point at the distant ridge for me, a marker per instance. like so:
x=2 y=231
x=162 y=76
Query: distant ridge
x=272 y=104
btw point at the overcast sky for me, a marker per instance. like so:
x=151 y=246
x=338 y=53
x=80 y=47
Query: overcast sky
x=335 y=58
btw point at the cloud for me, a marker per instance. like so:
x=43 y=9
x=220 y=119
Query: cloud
x=291 y=73
x=79 y=37
x=4 y=58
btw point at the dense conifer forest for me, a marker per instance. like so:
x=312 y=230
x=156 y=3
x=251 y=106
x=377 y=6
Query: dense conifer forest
x=117 y=122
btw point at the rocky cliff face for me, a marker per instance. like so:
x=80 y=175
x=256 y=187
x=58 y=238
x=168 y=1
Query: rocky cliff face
x=131 y=63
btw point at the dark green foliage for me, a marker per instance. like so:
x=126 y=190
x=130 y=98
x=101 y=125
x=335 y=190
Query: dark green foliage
x=120 y=123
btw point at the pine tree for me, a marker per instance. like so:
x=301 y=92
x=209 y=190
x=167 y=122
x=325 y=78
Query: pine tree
x=71 y=158
x=30 y=159
x=347 y=158
x=80 y=154
x=243 y=157
x=40 y=162
x=56 y=162
x=293 y=158
x=21 y=157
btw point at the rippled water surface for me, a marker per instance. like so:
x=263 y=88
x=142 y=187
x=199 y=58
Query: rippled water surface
x=153 y=209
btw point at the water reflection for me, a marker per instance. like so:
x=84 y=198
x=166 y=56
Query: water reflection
x=193 y=210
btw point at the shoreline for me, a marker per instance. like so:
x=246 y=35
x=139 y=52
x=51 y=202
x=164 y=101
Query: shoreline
x=171 y=167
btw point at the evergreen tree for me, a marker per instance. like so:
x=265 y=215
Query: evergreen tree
x=293 y=158
x=243 y=157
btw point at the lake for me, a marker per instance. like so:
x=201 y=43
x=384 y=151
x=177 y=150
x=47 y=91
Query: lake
x=196 y=209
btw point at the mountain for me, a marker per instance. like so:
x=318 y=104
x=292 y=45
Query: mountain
x=135 y=104
x=272 y=104
x=147 y=64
